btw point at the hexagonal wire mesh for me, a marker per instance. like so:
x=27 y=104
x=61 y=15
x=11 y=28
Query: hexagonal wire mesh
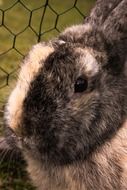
x=23 y=23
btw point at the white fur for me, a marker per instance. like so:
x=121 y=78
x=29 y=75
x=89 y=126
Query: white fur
x=88 y=62
x=29 y=69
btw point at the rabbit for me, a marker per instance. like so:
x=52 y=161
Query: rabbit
x=68 y=111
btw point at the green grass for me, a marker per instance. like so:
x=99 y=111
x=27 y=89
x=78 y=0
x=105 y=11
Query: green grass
x=16 y=28
x=13 y=176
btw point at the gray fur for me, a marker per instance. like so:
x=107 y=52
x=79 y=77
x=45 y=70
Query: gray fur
x=76 y=141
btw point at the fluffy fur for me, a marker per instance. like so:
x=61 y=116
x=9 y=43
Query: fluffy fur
x=75 y=141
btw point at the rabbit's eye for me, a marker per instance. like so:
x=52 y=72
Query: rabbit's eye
x=81 y=85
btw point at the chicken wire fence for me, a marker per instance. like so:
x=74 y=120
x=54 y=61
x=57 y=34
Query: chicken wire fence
x=25 y=22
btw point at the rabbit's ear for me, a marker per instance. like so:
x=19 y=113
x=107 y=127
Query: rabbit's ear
x=110 y=17
x=115 y=31
x=101 y=11
x=115 y=26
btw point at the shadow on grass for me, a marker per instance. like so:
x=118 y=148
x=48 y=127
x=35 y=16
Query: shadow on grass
x=12 y=171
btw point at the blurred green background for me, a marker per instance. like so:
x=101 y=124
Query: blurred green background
x=22 y=24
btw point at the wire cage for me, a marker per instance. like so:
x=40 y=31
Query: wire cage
x=22 y=24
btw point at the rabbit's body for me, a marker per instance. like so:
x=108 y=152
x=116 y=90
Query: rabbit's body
x=68 y=112
x=105 y=169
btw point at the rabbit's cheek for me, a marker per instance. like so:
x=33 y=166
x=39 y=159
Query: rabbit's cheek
x=30 y=68
x=14 y=109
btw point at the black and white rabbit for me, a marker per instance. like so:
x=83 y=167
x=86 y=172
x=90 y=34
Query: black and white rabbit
x=68 y=111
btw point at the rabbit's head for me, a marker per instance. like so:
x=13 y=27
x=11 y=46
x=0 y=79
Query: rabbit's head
x=71 y=95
